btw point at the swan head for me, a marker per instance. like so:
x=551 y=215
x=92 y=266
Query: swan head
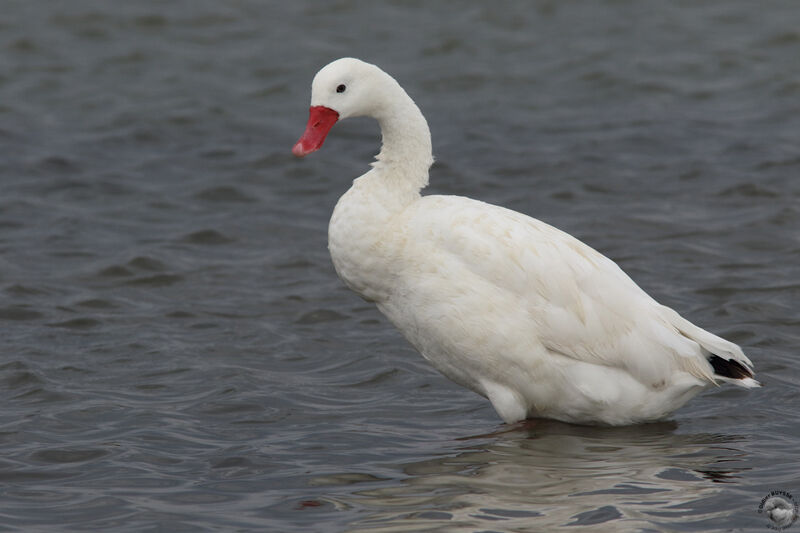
x=345 y=88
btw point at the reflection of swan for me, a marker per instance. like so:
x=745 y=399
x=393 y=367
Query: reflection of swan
x=554 y=475
x=780 y=511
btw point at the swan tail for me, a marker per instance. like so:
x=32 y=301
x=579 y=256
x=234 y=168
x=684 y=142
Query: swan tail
x=727 y=360
x=732 y=371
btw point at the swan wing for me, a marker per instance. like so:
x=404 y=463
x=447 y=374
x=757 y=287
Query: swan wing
x=576 y=302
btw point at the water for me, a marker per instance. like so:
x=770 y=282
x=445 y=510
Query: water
x=178 y=355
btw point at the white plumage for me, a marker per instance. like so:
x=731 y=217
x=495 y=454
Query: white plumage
x=518 y=311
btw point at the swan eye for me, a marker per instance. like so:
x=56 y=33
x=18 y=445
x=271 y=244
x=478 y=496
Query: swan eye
x=341 y=88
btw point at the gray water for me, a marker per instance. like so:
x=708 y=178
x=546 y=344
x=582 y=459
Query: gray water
x=178 y=354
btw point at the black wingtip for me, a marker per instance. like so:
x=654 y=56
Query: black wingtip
x=729 y=368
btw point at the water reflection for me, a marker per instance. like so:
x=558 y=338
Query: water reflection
x=544 y=475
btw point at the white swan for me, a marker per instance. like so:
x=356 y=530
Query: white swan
x=503 y=304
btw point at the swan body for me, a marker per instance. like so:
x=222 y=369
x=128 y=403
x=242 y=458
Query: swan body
x=501 y=303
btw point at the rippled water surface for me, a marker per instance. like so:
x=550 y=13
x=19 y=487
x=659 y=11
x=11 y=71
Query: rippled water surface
x=178 y=354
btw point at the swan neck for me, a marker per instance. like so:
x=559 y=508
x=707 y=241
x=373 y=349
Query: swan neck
x=406 y=152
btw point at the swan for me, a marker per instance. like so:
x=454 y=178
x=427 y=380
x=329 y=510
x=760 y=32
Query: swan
x=525 y=315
